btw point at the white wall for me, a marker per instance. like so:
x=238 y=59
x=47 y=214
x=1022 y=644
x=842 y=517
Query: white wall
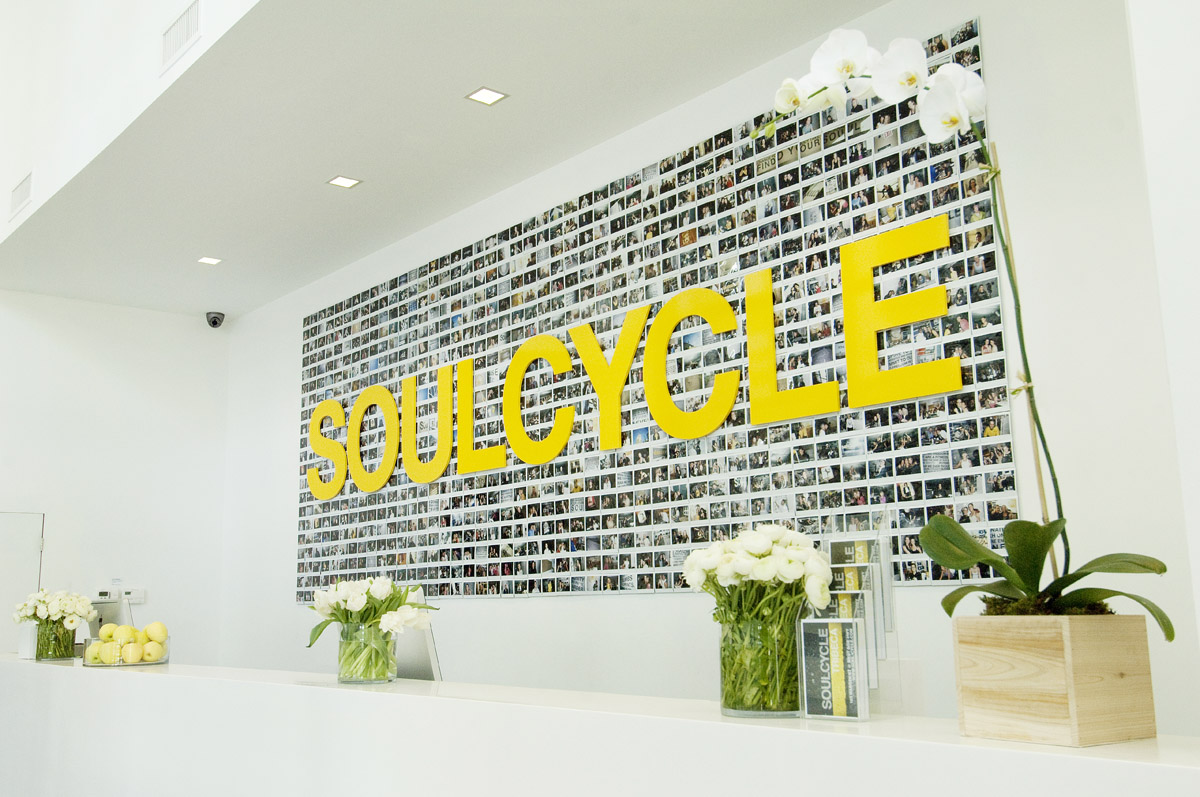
x=1162 y=51
x=114 y=427
x=75 y=73
x=1082 y=226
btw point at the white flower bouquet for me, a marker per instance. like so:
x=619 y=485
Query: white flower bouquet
x=763 y=581
x=57 y=614
x=371 y=612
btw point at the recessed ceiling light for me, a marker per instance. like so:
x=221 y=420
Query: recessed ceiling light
x=486 y=96
x=210 y=261
x=344 y=182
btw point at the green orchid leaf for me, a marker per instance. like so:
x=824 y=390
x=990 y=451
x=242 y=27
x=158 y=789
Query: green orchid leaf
x=1089 y=595
x=1110 y=563
x=316 y=632
x=1028 y=545
x=1001 y=588
x=949 y=544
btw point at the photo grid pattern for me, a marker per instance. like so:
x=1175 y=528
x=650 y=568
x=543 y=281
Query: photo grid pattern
x=624 y=520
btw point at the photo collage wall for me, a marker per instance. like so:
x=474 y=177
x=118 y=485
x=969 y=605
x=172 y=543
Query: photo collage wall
x=623 y=520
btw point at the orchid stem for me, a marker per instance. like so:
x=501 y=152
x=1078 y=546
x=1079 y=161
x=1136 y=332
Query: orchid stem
x=1001 y=213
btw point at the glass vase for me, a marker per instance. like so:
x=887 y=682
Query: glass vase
x=54 y=641
x=759 y=669
x=366 y=655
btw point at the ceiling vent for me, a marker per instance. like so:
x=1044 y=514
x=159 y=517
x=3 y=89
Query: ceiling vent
x=21 y=195
x=182 y=34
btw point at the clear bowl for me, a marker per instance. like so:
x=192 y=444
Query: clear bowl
x=123 y=656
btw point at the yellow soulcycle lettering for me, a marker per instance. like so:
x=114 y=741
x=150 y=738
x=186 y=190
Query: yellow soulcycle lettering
x=418 y=471
x=609 y=378
x=327 y=448
x=865 y=317
x=374 y=396
x=715 y=310
x=470 y=458
x=768 y=403
x=528 y=450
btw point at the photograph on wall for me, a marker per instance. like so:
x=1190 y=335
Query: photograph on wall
x=619 y=501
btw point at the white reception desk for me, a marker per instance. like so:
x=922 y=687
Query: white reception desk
x=179 y=730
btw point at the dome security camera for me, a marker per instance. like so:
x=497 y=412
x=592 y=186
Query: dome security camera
x=215 y=319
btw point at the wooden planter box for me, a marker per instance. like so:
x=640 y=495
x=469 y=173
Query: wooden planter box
x=1076 y=681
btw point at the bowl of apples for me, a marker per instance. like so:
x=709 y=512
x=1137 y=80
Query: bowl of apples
x=124 y=645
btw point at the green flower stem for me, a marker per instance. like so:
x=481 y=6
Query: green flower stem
x=365 y=653
x=1001 y=214
x=54 y=640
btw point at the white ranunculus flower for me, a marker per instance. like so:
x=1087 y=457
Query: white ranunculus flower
x=765 y=569
x=71 y=622
x=381 y=588
x=356 y=602
x=28 y=610
x=817 y=569
x=727 y=576
x=955 y=97
x=901 y=72
x=743 y=563
x=92 y=615
x=817 y=592
x=42 y=611
x=791 y=570
x=773 y=531
x=788 y=97
x=794 y=539
x=695 y=577
x=754 y=542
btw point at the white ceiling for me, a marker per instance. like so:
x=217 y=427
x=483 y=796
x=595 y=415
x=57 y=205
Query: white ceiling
x=231 y=161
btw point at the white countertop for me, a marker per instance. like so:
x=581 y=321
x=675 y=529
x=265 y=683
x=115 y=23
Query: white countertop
x=424 y=734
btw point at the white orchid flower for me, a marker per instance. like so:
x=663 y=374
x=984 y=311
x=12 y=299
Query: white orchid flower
x=843 y=64
x=955 y=97
x=788 y=97
x=901 y=72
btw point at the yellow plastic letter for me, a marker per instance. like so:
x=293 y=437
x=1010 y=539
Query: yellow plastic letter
x=767 y=402
x=865 y=317
x=714 y=309
x=327 y=448
x=374 y=396
x=418 y=471
x=471 y=459
x=535 y=452
x=609 y=378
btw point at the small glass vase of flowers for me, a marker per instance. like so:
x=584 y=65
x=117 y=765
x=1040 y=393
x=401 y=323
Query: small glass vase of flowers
x=764 y=581
x=371 y=612
x=57 y=615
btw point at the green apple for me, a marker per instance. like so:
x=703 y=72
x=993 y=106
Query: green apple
x=106 y=631
x=141 y=638
x=92 y=654
x=124 y=634
x=110 y=652
x=152 y=651
x=157 y=632
x=131 y=653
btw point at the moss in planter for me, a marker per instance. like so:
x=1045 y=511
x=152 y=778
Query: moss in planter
x=1038 y=605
